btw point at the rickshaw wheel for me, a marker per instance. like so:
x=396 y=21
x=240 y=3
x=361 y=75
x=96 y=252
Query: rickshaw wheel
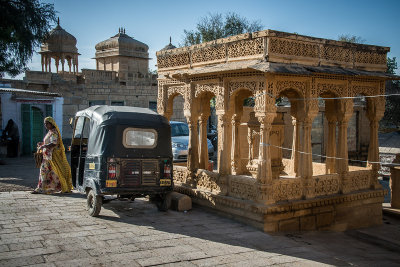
x=93 y=203
x=161 y=203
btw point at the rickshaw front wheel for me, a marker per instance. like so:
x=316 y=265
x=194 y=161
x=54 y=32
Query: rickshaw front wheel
x=93 y=203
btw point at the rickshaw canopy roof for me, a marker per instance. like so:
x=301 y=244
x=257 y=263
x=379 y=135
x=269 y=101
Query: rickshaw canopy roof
x=121 y=115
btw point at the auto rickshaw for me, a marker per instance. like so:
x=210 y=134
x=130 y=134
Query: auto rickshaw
x=121 y=151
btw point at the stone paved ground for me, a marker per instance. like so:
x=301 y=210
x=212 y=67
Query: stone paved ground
x=55 y=230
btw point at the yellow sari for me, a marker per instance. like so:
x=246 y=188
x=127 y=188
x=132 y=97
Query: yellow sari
x=59 y=162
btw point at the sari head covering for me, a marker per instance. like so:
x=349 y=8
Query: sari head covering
x=59 y=162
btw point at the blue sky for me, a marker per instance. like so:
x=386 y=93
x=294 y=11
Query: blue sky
x=153 y=22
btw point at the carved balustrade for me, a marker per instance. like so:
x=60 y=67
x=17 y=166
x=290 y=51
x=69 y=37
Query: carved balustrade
x=279 y=47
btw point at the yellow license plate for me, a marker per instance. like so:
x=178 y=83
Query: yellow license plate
x=111 y=183
x=165 y=182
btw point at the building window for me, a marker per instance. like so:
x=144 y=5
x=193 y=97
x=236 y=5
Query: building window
x=96 y=102
x=153 y=105
x=117 y=103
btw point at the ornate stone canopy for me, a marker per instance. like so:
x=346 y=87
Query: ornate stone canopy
x=122 y=44
x=253 y=181
x=61 y=46
x=169 y=46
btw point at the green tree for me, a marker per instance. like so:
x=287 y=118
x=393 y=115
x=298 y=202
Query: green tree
x=23 y=25
x=391 y=65
x=351 y=39
x=215 y=26
x=392 y=115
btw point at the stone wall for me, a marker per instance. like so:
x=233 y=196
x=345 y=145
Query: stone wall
x=95 y=87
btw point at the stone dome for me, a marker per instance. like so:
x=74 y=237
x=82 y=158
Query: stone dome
x=122 y=41
x=169 y=46
x=59 y=40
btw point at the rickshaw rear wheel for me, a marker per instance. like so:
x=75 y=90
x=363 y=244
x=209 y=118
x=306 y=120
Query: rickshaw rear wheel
x=161 y=203
x=93 y=203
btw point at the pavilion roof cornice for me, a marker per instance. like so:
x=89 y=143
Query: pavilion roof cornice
x=276 y=68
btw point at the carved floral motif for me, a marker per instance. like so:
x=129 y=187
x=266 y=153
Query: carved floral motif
x=208 y=181
x=337 y=89
x=287 y=84
x=368 y=89
x=246 y=48
x=293 y=48
x=337 y=53
x=370 y=57
x=287 y=189
x=210 y=53
x=244 y=188
x=201 y=88
x=180 y=174
x=173 y=90
x=250 y=85
x=174 y=60
x=357 y=180
x=326 y=184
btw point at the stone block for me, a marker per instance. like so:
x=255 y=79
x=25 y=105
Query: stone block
x=271 y=227
x=179 y=202
x=324 y=219
x=395 y=187
x=323 y=209
x=291 y=225
x=307 y=223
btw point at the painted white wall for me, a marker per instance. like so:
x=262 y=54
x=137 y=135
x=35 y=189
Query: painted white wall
x=58 y=112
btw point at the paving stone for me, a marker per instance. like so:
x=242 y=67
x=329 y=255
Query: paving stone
x=22 y=261
x=25 y=245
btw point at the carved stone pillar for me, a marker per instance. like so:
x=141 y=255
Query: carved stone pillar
x=192 y=160
x=264 y=160
x=375 y=111
x=76 y=65
x=306 y=167
x=57 y=62
x=235 y=153
x=42 y=61
x=203 y=148
x=331 y=147
x=295 y=158
x=62 y=63
x=223 y=150
x=344 y=114
x=49 y=63
x=330 y=114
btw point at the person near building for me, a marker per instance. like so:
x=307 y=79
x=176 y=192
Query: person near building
x=11 y=136
x=55 y=172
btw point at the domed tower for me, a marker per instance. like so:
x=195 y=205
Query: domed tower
x=123 y=54
x=61 y=46
x=169 y=46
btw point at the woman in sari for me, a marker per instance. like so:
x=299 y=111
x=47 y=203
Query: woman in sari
x=55 y=172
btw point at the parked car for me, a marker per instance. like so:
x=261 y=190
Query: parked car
x=180 y=141
x=123 y=151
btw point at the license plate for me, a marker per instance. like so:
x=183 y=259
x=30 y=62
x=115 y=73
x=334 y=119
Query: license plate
x=111 y=183
x=165 y=182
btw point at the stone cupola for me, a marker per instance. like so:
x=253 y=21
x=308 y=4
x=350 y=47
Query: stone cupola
x=169 y=46
x=61 y=46
x=123 y=54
